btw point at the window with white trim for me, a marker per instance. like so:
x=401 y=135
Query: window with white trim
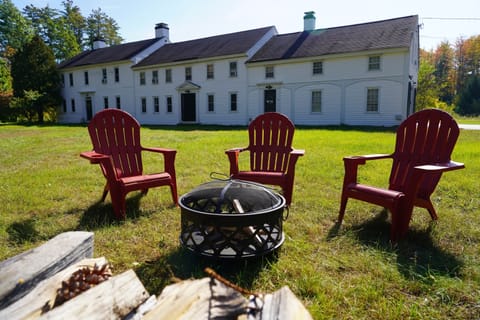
x=104 y=75
x=233 y=102
x=233 y=69
x=118 y=102
x=73 y=105
x=373 y=63
x=317 y=101
x=188 y=73
x=372 y=99
x=144 y=104
x=85 y=76
x=269 y=72
x=318 y=67
x=169 y=104
x=117 y=74
x=142 y=78
x=155 y=77
x=105 y=102
x=156 y=104
x=211 y=102
x=168 y=75
x=210 y=71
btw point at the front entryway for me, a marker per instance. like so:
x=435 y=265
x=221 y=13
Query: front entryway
x=189 y=107
x=270 y=100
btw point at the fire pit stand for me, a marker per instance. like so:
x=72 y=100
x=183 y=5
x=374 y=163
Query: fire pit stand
x=231 y=219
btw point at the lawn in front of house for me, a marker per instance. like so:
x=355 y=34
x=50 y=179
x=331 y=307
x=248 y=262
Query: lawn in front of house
x=352 y=273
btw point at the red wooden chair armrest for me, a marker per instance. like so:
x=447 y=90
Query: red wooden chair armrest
x=440 y=167
x=94 y=157
x=351 y=165
x=233 y=159
x=159 y=150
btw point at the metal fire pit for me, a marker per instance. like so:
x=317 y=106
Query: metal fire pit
x=231 y=219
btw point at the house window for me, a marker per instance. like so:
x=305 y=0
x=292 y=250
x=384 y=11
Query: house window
x=317 y=101
x=373 y=63
x=155 y=77
x=372 y=99
x=64 y=105
x=85 y=76
x=144 y=104
x=269 y=72
x=105 y=102
x=233 y=69
x=156 y=104
x=188 y=73
x=104 y=75
x=73 y=105
x=117 y=102
x=318 y=67
x=168 y=75
x=117 y=75
x=142 y=78
x=63 y=80
x=209 y=71
x=169 y=104
x=211 y=102
x=233 y=102
x=70 y=78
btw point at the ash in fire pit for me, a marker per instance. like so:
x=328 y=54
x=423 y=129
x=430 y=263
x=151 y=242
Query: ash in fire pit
x=231 y=219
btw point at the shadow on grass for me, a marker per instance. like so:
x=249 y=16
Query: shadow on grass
x=22 y=232
x=100 y=214
x=181 y=264
x=418 y=255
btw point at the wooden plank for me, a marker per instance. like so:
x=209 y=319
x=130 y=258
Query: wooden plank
x=198 y=299
x=20 y=274
x=43 y=295
x=111 y=299
x=283 y=304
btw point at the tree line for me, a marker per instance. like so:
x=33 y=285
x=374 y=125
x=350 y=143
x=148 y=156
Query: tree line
x=32 y=42
x=35 y=39
x=449 y=77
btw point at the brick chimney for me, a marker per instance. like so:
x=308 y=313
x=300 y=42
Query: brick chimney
x=162 y=31
x=309 y=21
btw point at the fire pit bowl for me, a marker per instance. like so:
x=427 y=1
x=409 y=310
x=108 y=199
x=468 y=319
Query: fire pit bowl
x=231 y=219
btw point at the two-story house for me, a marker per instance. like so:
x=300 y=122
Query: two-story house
x=363 y=74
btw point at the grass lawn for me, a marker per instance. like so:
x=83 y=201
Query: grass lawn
x=350 y=273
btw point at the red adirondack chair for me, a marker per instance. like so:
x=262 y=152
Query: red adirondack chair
x=272 y=158
x=115 y=136
x=424 y=144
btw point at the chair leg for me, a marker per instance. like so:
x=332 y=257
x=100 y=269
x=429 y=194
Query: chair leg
x=118 y=203
x=343 y=206
x=105 y=192
x=173 y=190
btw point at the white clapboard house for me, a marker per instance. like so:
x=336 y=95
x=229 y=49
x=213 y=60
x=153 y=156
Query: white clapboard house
x=362 y=74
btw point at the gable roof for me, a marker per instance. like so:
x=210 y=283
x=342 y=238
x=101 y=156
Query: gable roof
x=109 y=54
x=221 y=45
x=392 y=33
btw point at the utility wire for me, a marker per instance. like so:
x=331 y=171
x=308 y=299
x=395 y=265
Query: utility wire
x=438 y=18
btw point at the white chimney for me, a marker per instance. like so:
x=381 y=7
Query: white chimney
x=162 y=31
x=98 y=43
x=309 y=21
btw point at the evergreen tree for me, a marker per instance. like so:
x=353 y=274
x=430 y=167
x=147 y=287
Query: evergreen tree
x=101 y=26
x=36 y=79
x=15 y=30
x=469 y=99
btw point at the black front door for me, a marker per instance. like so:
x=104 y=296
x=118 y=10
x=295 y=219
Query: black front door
x=89 y=107
x=188 y=107
x=270 y=100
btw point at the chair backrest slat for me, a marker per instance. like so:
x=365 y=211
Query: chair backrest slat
x=427 y=136
x=270 y=136
x=116 y=133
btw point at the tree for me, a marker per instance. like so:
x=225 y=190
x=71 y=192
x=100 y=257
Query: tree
x=35 y=78
x=54 y=30
x=74 y=21
x=101 y=26
x=15 y=30
x=427 y=88
x=444 y=72
x=469 y=98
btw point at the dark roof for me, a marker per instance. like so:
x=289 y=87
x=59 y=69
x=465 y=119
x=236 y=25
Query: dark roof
x=222 y=45
x=109 y=54
x=393 y=33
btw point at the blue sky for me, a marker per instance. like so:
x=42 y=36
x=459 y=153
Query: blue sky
x=193 y=19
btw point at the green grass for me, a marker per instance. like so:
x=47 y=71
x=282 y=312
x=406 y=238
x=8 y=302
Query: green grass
x=347 y=273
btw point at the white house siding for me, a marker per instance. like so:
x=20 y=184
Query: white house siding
x=343 y=84
x=221 y=86
x=96 y=90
